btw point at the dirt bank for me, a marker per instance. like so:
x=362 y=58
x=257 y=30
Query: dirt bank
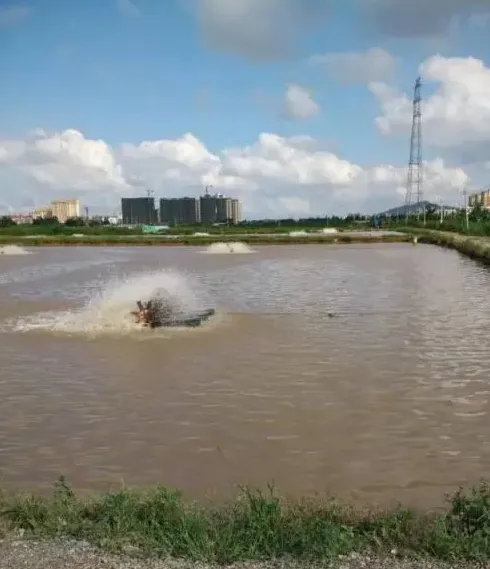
x=23 y=554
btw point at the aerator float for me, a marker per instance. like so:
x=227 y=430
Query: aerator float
x=157 y=313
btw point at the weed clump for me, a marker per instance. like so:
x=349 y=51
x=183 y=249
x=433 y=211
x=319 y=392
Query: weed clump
x=256 y=526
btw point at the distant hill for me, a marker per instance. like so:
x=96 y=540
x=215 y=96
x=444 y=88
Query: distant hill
x=413 y=209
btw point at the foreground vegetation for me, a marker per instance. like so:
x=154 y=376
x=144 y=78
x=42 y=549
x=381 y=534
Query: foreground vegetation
x=256 y=526
x=475 y=247
x=51 y=226
x=476 y=223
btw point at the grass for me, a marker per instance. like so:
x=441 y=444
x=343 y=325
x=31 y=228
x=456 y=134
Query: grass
x=478 y=224
x=256 y=526
x=476 y=247
x=260 y=228
x=152 y=240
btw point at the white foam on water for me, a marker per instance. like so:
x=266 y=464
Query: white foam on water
x=108 y=311
x=12 y=250
x=233 y=248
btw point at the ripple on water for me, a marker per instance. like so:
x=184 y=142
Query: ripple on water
x=390 y=396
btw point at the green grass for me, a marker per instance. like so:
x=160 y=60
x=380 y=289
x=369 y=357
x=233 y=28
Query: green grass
x=283 y=228
x=476 y=247
x=153 y=240
x=256 y=526
x=477 y=226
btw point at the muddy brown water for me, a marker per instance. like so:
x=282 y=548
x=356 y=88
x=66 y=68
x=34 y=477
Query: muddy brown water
x=386 y=401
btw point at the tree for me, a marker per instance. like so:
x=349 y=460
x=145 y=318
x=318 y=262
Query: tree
x=479 y=213
x=75 y=222
x=430 y=211
x=45 y=221
x=7 y=221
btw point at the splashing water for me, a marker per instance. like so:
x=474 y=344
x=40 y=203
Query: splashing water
x=222 y=248
x=11 y=250
x=108 y=311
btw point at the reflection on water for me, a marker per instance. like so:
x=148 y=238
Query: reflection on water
x=386 y=401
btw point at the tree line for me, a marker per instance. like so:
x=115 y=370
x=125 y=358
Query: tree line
x=51 y=225
x=475 y=222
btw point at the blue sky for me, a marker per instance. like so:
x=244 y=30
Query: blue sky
x=126 y=71
x=93 y=66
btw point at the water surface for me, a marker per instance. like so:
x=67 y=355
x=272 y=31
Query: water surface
x=388 y=400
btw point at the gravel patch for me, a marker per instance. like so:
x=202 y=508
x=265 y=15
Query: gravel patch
x=26 y=554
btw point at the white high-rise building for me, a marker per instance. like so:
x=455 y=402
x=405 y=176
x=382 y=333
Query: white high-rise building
x=64 y=209
x=236 y=211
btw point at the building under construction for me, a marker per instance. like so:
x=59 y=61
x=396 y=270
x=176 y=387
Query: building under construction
x=139 y=211
x=219 y=209
x=175 y=211
x=207 y=210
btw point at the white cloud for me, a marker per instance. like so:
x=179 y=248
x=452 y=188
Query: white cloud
x=275 y=176
x=257 y=29
x=128 y=8
x=270 y=29
x=456 y=116
x=60 y=163
x=299 y=206
x=13 y=15
x=177 y=164
x=419 y=18
x=299 y=103
x=376 y=64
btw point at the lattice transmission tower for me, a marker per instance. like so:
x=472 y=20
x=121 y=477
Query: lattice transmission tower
x=415 y=178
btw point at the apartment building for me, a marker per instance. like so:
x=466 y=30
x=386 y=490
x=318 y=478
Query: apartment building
x=236 y=212
x=480 y=198
x=65 y=209
x=220 y=209
x=223 y=209
x=61 y=209
x=208 y=210
x=42 y=213
x=175 y=211
x=139 y=211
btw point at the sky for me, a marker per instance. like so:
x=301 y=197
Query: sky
x=296 y=107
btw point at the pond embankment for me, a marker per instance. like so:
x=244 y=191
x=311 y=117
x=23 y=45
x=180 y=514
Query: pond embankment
x=473 y=246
